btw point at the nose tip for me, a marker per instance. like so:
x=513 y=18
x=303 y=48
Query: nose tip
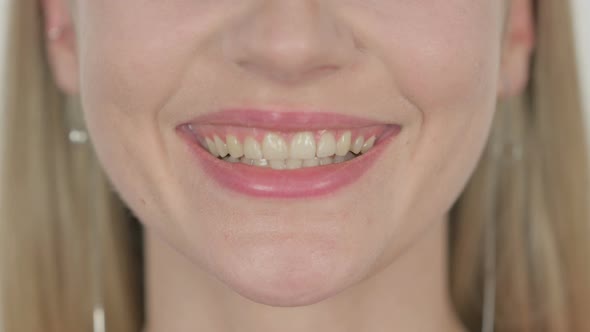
x=288 y=63
x=290 y=41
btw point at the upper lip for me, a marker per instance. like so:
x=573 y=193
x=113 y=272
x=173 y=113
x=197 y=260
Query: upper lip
x=283 y=118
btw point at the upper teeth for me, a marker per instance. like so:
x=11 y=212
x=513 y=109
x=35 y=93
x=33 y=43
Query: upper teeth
x=303 y=151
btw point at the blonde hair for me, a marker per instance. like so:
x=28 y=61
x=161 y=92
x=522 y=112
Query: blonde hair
x=57 y=206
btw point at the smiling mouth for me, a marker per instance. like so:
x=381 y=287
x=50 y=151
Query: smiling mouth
x=286 y=150
x=285 y=154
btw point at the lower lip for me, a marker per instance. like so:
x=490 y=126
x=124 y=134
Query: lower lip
x=299 y=183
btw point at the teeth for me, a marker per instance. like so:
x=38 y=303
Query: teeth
x=274 y=147
x=303 y=146
x=357 y=146
x=212 y=147
x=294 y=163
x=234 y=147
x=311 y=162
x=246 y=161
x=252 y=149
x=231 y=159
x=221 y=147
x=302 y=151
x=326 y=161
x=339 y=159
x=327 y=145
x=260 y=162
x=368 y=144
x=278 y=164
x=343 y=144
x=254 y=162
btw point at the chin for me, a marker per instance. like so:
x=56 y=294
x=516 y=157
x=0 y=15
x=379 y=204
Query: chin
x=288 y=274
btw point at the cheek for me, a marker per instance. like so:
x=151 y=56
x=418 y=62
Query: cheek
x=451 y=80
x=444 y=64
x=130 y=65
x=129 y=69
x=445 y=53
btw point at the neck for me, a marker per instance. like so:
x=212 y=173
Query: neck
x=411 y=294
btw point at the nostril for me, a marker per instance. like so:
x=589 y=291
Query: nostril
x=286 y=72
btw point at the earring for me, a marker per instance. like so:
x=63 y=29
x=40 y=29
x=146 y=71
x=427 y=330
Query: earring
x=507 y=150
x=96 y=260
x=489 y=287
x=78 y=136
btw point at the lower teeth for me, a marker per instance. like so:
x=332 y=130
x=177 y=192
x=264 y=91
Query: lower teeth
x=291 y=164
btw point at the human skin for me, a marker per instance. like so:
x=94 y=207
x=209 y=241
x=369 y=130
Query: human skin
x=371 y=254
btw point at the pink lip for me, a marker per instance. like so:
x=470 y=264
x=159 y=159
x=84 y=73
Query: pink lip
x=299 y=183
x=283 y=120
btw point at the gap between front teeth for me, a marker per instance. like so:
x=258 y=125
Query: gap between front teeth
x=303 y=150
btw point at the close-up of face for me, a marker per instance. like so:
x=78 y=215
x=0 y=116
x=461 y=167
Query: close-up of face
x=290 y=149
